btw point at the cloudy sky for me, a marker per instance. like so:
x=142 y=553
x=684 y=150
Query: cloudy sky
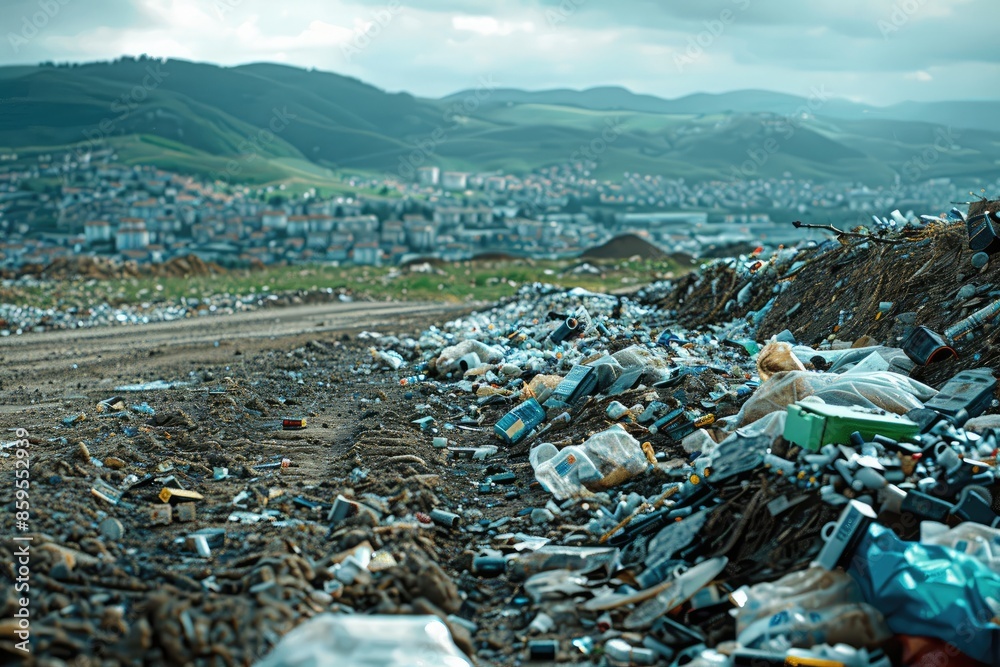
x=876 y=51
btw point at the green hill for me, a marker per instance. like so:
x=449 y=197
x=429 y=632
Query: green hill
x=283 y=123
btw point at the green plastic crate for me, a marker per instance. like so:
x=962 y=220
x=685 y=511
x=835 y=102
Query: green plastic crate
x=813 y=425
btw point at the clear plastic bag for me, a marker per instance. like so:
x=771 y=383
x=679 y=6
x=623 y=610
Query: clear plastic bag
x=640 y=356
x=973 y=539
x=844 y=360
x=882 y=390
x=617 y=455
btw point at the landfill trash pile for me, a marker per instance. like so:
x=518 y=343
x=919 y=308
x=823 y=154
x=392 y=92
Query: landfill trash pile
x=567 y=477
x=89 y=267
x=16 y=320
x=926 y=272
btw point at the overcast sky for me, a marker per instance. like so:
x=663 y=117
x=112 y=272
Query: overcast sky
x=876 y=51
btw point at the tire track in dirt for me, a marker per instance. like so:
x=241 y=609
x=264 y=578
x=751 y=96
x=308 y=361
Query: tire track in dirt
x=79 y=359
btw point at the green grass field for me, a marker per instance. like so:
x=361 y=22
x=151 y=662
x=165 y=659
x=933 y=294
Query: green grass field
x=471 y=281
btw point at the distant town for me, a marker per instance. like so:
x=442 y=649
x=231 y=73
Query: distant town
x=62 y=204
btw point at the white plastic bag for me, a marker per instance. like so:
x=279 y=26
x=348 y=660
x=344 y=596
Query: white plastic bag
x=354 y=640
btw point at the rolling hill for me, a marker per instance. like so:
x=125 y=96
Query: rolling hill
x=283 y=123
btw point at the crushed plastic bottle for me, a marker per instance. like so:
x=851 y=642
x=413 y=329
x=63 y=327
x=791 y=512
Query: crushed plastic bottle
x=554 y=557
x=605 y=460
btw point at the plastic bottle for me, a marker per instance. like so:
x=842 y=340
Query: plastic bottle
x=569 y=327
x=517 y=423
x=973 y=321
x=605 y=460
x=623 y=652
x=563 y=473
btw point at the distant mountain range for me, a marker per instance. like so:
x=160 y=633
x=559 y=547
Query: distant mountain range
x=980 y=115
x=265 y=122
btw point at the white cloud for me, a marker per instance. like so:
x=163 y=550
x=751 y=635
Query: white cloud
x=438 y=48
x=489 y=26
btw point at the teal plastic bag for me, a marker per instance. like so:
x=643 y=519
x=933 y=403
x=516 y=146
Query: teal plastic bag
x=931 y=591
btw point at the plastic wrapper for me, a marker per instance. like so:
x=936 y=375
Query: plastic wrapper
x=390 y=358
x=808 y=590
x=883 y=390
x=776 y=357
x=931 y=591
x=555 y=584
x=674 y=592
x=638 y=355
x=342 y=640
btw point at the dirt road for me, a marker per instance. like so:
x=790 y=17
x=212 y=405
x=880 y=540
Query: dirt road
x=77 y=359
